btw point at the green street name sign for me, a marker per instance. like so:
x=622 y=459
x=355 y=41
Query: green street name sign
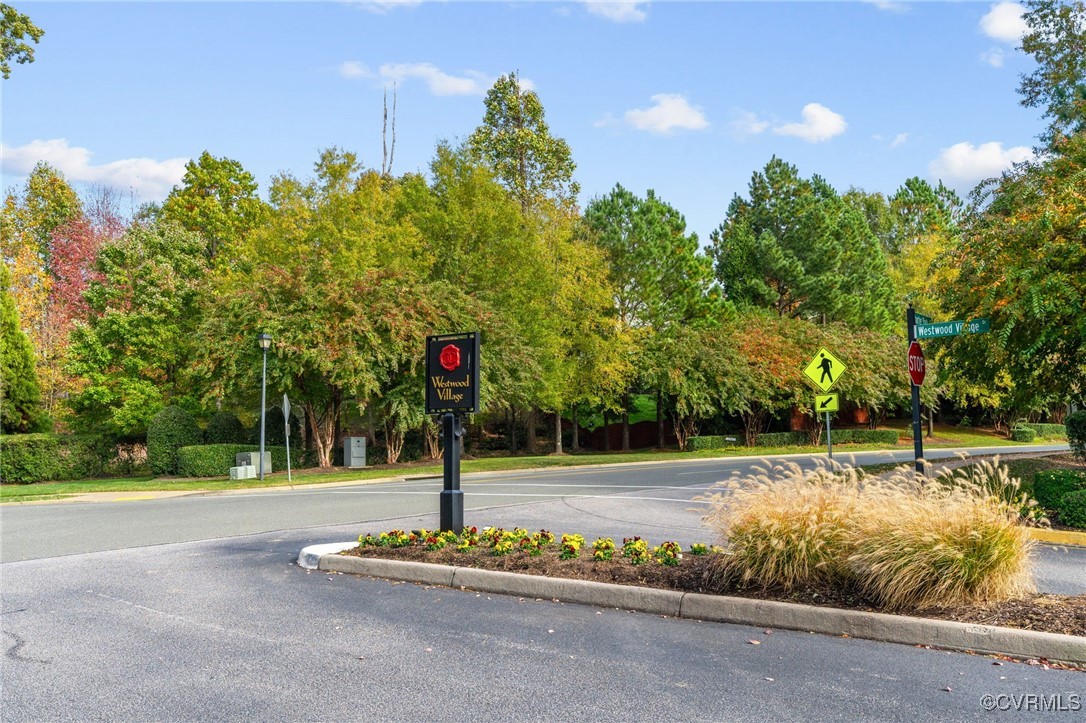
x=952 y=328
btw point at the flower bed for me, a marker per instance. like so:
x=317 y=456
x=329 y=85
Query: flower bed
x=701 y=568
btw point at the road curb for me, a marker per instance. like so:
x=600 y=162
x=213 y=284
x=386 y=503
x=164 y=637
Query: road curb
x=1058 y=537
x=882 y=627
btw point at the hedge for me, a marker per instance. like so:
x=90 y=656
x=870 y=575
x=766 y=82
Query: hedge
x=839 y=436
x=1049 y=487
x=1047 y=431
x=168 y=431
x=863 y=436
x=1023 y=434
x=1072 y=509
x=1076 y=433
x=698 y=444
x=28 y=458
x=215 y=460
x=781 y=439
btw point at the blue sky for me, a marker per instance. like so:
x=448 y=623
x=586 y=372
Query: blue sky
x=687 y=98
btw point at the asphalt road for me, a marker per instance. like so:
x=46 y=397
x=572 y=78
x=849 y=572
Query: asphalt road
x=228 y=628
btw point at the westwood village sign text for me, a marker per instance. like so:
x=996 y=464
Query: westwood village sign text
x=452 y=390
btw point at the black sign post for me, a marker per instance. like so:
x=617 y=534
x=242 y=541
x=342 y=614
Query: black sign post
x=918 y=437
x=452 y=390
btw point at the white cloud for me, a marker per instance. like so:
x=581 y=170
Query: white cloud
x=888 y=6
x=670 y=111
x=149 y=179
x=352 y=69
x=619 y=11
x=1004 y=22
x=384 y=6
x=964 y=163
x=899 y=139
x=748 y=124
x=439 y=82
x=819 y=124
x=993 y=57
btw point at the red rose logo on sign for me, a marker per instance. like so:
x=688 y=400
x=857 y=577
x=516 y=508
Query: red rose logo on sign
x=450 y=357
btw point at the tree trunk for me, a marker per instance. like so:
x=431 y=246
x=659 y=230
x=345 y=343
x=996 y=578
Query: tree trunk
x=626 y=423
x=931 y=422
x=432 y=435
x=323 y=428
x=576 y=431
x=606 y=433
x=558 y=433
x=660 y=419
x=512 y=430
x=531 y=435
x=371 y=424
x=393 y=443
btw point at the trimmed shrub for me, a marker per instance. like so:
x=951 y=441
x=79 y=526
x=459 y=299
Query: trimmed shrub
x=26 y=458
x=1050 y=487
x=1076 y=433
x=1023 y=434
x=215 y=460
x=861 y=436
x=225 y=428
x=1072 y=509
x=274 y=433
x=1048 y=431
x=698 y=444
x=782 y=439
x=169 y=430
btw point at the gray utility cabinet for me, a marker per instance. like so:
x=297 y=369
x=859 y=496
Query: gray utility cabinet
x=243 y=458
x=354 y=452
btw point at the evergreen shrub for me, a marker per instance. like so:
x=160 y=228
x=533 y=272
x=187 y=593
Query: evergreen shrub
x=1076 y=433
x=1072 y=509
x=1023 y=434
x=1049 y=487
x=225 y=428
x=170 y=430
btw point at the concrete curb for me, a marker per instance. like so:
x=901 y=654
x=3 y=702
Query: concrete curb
x=1058 y=537
x=719 y=608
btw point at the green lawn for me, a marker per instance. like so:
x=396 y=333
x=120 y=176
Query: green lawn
x=946 y=436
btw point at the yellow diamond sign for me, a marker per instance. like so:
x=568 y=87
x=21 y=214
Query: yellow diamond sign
x=825 y=369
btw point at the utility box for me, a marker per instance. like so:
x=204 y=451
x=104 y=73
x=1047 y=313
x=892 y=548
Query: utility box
x=245 y=471
x=354 y=452
x=253 y=458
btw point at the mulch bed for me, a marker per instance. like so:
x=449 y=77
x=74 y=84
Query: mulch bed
x=1043 y=612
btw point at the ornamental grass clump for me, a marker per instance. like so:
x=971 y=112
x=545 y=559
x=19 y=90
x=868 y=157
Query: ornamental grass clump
x=924 y=543
x=785 y=526
x=903 y=540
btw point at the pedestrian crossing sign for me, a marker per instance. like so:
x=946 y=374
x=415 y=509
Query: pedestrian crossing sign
x=825 y=369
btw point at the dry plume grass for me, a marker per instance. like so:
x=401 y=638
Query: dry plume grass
x=904 y=540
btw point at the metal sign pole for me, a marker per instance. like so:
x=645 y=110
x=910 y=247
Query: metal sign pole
x=286 y=431
x=918 y=437
x=452 y=499
x=829 y=439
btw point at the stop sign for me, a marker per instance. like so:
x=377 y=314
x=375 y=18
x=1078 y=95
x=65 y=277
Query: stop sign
x=916 y=363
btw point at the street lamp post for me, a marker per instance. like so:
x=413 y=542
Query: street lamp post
x=263 y=340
